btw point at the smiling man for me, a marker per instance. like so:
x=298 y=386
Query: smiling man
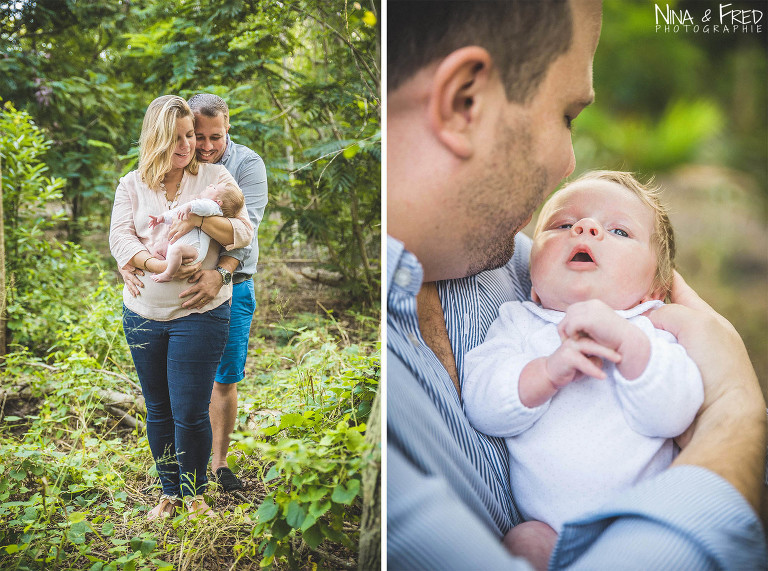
x=238 y=266
x=481 y=96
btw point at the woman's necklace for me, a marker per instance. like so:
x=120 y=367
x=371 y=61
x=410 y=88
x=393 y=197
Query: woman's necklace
x=171 y=204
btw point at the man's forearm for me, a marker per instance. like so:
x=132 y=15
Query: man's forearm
x=229 y=263
x=218 y=228
x=729 y=439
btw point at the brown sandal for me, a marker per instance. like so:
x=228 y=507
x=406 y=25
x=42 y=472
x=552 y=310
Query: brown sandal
x=197 y=507
x=165 y=508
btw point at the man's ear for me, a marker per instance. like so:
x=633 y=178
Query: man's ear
x=461 y=87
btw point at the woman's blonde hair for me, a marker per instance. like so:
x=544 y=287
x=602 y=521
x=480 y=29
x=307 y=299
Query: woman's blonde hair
x=662 y=238
x=158 y=139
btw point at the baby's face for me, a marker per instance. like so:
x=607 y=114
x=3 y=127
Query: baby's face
x=594 y=243
x=212 y=192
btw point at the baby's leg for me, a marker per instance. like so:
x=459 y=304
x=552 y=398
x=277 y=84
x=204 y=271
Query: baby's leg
x=533 y=540
x=174 y=256
x=160 y=248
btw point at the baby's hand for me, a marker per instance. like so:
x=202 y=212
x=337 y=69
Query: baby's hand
x=184 y=211
x=596 y=321
x=593 y=319
x=577 y=357
x=155 y=220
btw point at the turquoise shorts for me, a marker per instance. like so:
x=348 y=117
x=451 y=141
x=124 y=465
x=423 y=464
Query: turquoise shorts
x=232 y=366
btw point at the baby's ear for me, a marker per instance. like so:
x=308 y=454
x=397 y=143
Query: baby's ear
x=657 y=294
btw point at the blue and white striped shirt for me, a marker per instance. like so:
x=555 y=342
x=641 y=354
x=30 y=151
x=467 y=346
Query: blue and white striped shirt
x=448 y=495
x=250 y=172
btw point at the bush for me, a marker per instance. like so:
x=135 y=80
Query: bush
x=44 y=276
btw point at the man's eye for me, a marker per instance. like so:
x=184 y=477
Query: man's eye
x=620 y=232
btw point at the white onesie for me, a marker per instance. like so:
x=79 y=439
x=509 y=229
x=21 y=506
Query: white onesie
x=594 y=437
x=195 y=237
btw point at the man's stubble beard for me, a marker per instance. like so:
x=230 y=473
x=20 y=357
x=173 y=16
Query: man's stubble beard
x=505 y=195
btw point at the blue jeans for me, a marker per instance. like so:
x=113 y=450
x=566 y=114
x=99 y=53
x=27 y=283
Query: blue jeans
x=232 y=366
x=176 y=362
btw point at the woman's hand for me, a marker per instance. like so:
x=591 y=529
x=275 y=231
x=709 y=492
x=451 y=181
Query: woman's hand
x=181 y=227
x=185 y=271
x=133 y=283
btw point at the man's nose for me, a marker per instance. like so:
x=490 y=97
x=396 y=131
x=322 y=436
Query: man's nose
x=588 y=226
x=571 y=164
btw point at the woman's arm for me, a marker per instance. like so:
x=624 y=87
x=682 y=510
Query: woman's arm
x=217 y=227
x=124 y=243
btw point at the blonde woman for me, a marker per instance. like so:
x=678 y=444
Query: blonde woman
x=175 y=350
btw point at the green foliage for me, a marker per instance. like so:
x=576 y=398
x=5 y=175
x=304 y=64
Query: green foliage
x=59 y=63
x=64 y=470
x=678 y=136
x=313 y=454
x=44 y=275
x=686 y=97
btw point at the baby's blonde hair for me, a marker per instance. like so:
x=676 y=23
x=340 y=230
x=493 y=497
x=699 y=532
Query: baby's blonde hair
x=232 y=200
x=158 y=139
x=663 y=236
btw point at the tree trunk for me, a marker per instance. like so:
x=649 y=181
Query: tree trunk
x=3 y=290
x=370 y=522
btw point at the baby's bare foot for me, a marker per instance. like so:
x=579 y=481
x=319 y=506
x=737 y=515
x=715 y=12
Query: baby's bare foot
x=533 y=540
x=160 y=278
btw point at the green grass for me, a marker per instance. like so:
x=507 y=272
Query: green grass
x=75 y=483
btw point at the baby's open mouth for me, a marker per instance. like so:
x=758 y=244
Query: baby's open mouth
x=582 y=257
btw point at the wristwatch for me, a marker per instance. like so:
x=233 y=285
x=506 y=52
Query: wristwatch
x=226 y=275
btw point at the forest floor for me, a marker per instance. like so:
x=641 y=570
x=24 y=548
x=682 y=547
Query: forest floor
x=101 y=474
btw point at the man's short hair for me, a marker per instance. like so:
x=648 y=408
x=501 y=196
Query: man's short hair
x=522 y=36
x=209 y=105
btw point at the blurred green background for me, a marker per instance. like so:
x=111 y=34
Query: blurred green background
x=691 y=109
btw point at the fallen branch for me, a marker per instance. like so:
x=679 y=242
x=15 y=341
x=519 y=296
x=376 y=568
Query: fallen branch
x=115 y=402
x=325 y=277
x=115 y=398
x=125 y=418
x=120 y=376
x=337 y=561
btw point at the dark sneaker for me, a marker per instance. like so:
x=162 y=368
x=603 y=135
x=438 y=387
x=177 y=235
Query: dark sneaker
x=228 y=480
